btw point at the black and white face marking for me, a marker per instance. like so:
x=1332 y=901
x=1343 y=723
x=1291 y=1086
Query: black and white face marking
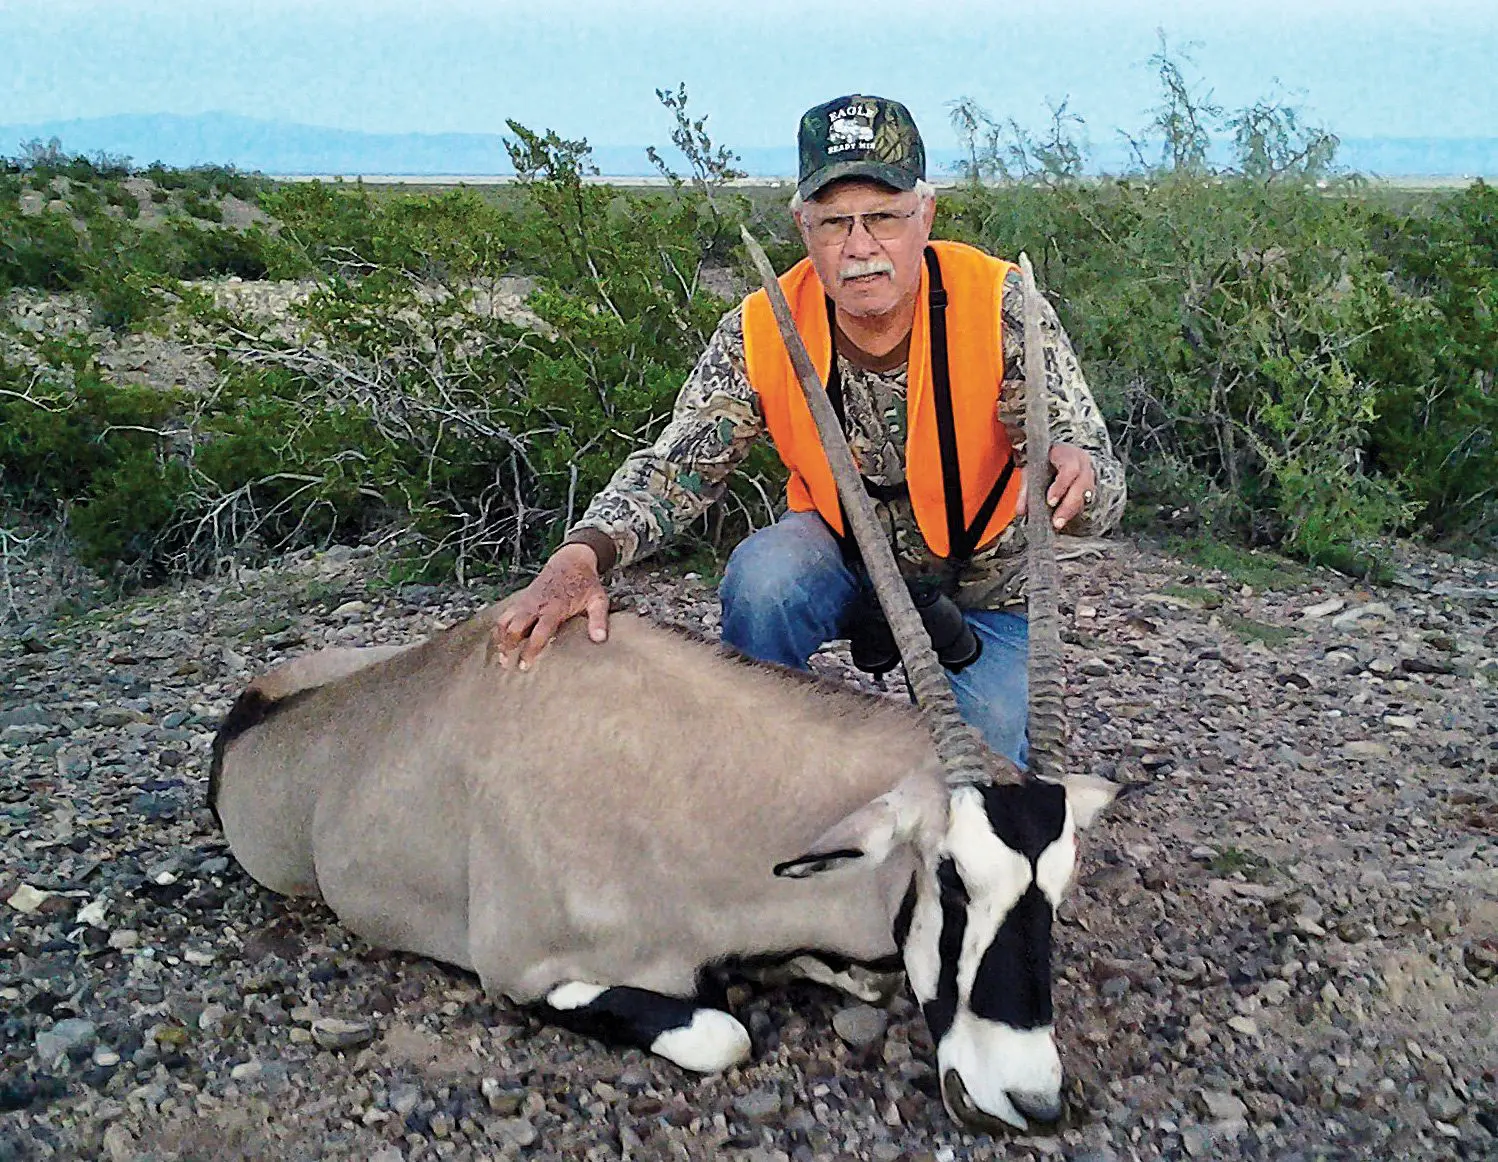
x=978 y=950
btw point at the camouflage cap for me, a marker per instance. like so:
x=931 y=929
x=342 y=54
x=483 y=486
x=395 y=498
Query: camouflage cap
x=859 y=137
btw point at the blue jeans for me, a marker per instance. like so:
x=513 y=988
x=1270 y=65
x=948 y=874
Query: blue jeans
x=785 y=593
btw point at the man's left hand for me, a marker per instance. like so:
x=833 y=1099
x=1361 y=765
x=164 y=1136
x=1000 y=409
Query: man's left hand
x=1074 y=486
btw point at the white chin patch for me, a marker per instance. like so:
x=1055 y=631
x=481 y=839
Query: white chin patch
x=713 y=1042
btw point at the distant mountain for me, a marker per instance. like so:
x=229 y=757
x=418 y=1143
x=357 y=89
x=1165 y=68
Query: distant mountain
x=284 y=147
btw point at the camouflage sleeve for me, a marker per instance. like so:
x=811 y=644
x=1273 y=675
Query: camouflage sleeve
x=1075 y=418
x=660 y=489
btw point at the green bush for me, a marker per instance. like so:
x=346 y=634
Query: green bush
x=1284 y=359
x=42 y=250
x=1293 y=361
x=1435 y=358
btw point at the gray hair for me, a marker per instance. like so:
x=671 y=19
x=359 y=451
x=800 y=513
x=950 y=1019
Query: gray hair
x=924 y=190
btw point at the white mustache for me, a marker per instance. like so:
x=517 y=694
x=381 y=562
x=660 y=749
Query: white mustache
x=872 y=266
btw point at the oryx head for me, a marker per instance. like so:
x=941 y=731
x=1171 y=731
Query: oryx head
x=993 y=861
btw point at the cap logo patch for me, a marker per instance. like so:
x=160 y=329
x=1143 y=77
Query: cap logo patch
x=851 y=127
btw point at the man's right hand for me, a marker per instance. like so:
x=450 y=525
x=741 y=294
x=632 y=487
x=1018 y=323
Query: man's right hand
x=568 y=585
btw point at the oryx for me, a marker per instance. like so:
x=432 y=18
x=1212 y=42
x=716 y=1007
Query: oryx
x=596 y=835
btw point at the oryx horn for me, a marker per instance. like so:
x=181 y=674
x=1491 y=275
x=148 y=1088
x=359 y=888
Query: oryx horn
x=1047 y=729
x=962 y=753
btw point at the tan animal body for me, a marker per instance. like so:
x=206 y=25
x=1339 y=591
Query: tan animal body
x=614 y=814
x=596 y=834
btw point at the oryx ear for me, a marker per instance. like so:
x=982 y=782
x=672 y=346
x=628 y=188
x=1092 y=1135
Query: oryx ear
x=1088 y=796
x=873 y=831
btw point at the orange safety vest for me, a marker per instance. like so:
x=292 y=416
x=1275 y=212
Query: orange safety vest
x=974 y=284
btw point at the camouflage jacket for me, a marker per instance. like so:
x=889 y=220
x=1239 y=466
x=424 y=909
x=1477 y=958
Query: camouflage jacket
x=660 y=489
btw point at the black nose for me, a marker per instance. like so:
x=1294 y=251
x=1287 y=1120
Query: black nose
x=1038 y=1107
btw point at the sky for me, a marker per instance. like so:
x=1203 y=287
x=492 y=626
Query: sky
x=590 y=68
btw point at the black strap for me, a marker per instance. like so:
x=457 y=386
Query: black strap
x=973 y=532
x=946 y=426
x=834 y=376
x=962 y=539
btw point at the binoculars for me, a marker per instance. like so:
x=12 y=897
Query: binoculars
x=873 y=645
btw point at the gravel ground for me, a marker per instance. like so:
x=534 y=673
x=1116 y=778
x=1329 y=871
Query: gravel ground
x=1283 y=944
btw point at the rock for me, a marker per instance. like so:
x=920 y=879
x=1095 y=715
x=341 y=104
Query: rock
x=1365 y=749
x=171 y=1038
x=25 y=716
x=1444 y=1104
x=333 y=1033
x=860 y=1025
x=1323 y=608
x=634 y=1077
x=119 y=1143
x=92 y=913
x=404 y=1098
x=1221 y=1106
x=500 y=1099
x=758 y=1105
x=27 y=899
x=73 y=1037
x=1359 y=613
x=116 y=716
x=517 y=1131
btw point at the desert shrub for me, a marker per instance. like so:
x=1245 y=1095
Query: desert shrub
x=208 y=181
x=405 y=401
x=42 y=250
x=197 y=206
x=57 y=441
x=182 y=249
x=323 y=225
x=1232 y=318
x=1223 y=325
x=1283 y=360
x=1435 y=356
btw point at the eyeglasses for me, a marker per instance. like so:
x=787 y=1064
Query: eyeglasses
x=885 y=225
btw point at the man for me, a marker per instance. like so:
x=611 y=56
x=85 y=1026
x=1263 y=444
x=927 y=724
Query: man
x=882 y=335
